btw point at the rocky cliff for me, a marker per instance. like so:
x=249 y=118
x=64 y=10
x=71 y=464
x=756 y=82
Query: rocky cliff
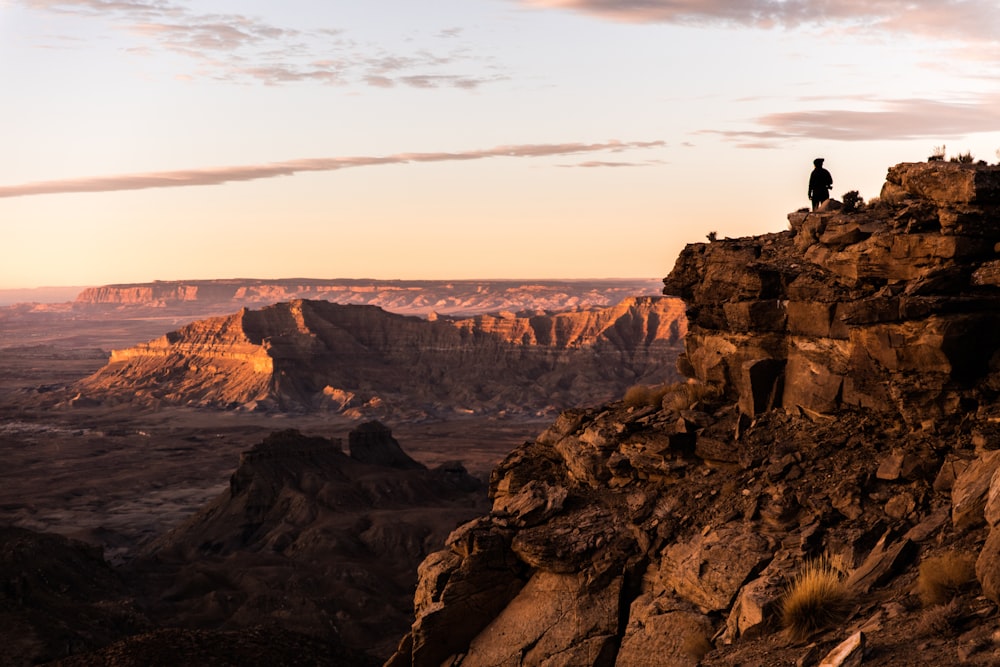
x=840 y=418
x=361 y=360
x=411 y=297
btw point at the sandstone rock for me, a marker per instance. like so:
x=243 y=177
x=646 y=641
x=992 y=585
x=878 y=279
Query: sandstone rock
x=902 y=464
x=882 y=563
x=553 y=620
x=461 y=591
x=849 y=653
x=945 y=182
x=992 y=510
x=950 y=470
x=758 y=603
x=711 y=568
x=970 y=491
x=673 y=638
x=572 y=541
x=988 y=566
x=536 y=502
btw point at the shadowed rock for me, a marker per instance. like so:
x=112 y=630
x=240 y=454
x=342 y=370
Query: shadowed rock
x=372 y=442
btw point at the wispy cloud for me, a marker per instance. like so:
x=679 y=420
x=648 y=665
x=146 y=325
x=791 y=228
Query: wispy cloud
x=220 y=175
x=895 y=119
x=976 y=19
x=243 y=48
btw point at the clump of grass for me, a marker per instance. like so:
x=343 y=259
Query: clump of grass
x=940 y=578
x=643 y=395
x=684 y=395
x=939 y=620
x=817 y=598
x=964 y=158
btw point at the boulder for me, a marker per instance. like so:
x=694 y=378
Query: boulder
x=969 y=494
x=710 y=568
x=677 y=638
x=988 y=566
x=553 y=620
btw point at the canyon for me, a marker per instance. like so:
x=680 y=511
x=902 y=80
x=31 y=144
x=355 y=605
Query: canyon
x=838 y=404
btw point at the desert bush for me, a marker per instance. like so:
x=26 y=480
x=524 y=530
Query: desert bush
x=712 y=236
x=684 y=395
x=937 y=154
x=940 y=619
x=852 y=201
x=940 y=578
x=676 y=397
x=817 y=598
x=964 y=158
x=643 y=395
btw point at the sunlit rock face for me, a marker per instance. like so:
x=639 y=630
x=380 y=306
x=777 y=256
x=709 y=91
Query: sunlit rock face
x=893 y=308
x=363 y=361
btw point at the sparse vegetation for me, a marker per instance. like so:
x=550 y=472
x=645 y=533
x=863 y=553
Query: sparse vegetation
x=941 y=578
x=817 y=598
x=852 y=201
x=675 y=397
x=644 y=395
x=937 y=154
x=940 y=619
x=684 y=395
x=712 y=236
x=963 y=158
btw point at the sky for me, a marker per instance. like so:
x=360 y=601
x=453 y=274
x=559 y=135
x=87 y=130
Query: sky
x=150 y=140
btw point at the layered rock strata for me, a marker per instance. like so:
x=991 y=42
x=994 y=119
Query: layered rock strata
x=411 y=297
x=843 y=407
x=361 y=360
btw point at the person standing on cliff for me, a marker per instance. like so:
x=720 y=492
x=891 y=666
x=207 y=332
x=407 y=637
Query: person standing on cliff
x=820 y=182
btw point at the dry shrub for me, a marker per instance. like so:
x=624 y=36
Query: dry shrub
x=643 y=395
x=696 y=646
x=940 y=619
x=684 y=395
x=817 y=598
x=942 y=577
x=675 y=397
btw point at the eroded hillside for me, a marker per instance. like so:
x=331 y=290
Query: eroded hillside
x=363 y=361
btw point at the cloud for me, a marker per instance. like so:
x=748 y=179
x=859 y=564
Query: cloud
x=241 y=48
x=220 y=175
x=895 y=120
x=976 y=19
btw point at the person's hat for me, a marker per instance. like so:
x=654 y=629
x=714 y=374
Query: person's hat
x=818 y=161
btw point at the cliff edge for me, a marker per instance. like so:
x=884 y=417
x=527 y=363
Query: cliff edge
x=841 y=415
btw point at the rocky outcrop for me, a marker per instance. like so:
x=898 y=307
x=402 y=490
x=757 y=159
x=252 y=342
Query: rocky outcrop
x=363 y=361
x=892 y=308
x=310 y=539
x=842 y=407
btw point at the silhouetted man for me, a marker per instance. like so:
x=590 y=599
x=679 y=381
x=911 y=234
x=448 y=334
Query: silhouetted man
x=820 y=182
